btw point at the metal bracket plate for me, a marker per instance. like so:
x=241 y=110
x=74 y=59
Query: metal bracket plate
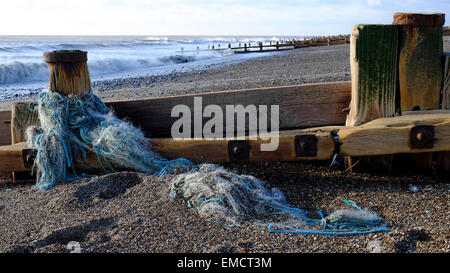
x=422 y=136
x=305 y=145
x=238 y=150
x=28 y=155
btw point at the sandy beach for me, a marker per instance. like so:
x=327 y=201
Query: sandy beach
x=133 y=212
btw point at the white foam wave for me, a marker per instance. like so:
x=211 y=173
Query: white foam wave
x=18 y=72
x=23 y=72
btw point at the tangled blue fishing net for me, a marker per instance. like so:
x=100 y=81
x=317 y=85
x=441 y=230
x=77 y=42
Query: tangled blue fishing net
x=73 y=126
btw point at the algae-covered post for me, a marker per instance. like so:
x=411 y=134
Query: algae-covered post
x=69 y=74
x=373 y=61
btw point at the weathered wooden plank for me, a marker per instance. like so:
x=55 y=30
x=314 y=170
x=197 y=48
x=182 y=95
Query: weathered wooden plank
x=22 y=117
x=216 y=151
x=379 y=137
x=5 y=127
x=11 y=158
x=392 y=135
x=300 y=106
x=201 y=150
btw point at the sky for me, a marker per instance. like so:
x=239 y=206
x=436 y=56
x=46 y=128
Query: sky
x=201 y=17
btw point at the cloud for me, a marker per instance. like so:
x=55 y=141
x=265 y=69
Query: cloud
x=374 y=2
x=201 y=17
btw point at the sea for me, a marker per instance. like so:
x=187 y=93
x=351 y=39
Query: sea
x=23 y=71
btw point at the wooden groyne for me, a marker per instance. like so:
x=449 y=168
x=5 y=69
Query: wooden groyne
x=276 y=45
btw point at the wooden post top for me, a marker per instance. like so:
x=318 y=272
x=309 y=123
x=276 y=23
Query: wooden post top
x=69 y=73
x=419 y=19
x=65 y=56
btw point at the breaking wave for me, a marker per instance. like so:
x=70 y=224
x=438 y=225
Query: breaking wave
x=18 y=72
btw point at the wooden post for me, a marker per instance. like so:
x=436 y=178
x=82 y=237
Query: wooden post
x=69 y=74
x=445 y=93
x=420 y=66
x=245 y=47
x=443 y=158
x=373 y=62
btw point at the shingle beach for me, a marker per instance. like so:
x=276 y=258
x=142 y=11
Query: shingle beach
x=134 y=212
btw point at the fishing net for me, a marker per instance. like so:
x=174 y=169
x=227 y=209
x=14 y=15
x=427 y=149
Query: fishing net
x=72 y=126
x=231 y=199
